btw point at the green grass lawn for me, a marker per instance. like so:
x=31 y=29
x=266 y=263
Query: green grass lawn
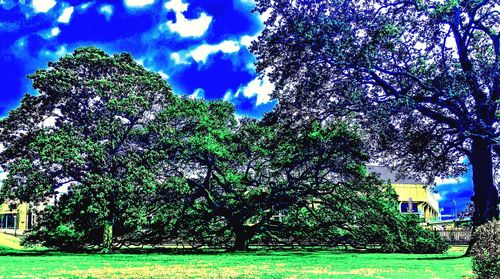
x=256 y=264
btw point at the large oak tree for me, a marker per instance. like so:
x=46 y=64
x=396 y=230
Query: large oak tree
x=79 y=140
x=248 y=180
x=421 y=76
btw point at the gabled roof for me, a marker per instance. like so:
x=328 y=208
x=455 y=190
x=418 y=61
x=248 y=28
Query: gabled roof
x=396 y=178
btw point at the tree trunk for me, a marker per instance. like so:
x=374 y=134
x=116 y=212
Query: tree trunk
x=240 y=242
x=485 y=196
x=107 y=238
x=241 y=237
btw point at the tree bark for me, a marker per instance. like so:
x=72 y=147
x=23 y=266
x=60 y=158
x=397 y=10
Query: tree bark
x=107 y=238
x=485 y=196
x=241 y=237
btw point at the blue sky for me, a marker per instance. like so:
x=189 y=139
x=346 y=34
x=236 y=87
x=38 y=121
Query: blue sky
x=198 y=46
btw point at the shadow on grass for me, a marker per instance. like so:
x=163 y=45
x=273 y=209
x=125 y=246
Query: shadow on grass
x=24 y=253
x=265 y=252
x=444 y=258
x=172 y=251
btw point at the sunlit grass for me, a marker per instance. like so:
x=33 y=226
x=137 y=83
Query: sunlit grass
x=255 y=264
x=9 y=242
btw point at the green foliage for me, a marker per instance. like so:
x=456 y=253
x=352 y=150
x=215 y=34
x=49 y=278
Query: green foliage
x=127 y=162
x=485 y=251
x=55 y=231
x=422 y=103
x=101 y=107
x=416 y=239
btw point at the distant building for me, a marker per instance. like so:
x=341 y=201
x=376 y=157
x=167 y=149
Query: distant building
x=15 y=221
x=413 y=195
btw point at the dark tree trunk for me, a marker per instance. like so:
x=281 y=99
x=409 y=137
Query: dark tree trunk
x=241 y=237
x=240 y=241
x=485 y=196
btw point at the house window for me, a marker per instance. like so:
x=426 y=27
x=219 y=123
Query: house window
x=405 y=208
x=7 y=221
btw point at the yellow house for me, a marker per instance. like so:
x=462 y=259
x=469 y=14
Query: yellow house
x=15 y=221
x=413 y=195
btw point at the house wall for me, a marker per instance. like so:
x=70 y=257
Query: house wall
x=427 y=204
x=21 y=213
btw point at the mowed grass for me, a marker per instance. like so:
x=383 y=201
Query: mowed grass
x=254 y=264
x=9 y=242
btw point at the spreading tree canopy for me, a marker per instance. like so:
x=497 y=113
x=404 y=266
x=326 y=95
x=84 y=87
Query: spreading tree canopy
x=118 y=159
x=242 y=175
x=81 y=136
x=421 y=76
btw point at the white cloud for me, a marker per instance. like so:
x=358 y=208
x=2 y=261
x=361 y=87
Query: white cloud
x=259 y=88
x=228 y=96
x=107 y=11
x=138 y=3
x=43 y=6
x=65 y=17
x=178 y=58
x=201 y=53
x=85 y=6
x=190 y=28
x=262 y=88
x=187 y=27
x=265 y=16
x=456 y=180
x=176 y=5
x=199 y=93
x=50 y=33
x=228 y=46
x=55 y=31
x=247 y=40
x=163 y=74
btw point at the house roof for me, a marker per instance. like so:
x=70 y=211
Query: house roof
x=397 y=178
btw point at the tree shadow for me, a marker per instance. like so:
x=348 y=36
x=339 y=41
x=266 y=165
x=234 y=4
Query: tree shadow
x=173 y=251
x=444 y=258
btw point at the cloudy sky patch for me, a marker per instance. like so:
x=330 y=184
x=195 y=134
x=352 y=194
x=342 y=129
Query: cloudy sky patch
x=138 y=3
x=43 y=6
x=65 y=16
x=195 y=27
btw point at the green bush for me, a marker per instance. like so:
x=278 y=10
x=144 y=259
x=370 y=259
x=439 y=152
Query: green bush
x=403 y=234
x=63 y=237
x=486 y=250
x=429 y=243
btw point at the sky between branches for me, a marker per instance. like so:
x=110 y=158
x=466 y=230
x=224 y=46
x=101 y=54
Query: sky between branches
x=200 y=47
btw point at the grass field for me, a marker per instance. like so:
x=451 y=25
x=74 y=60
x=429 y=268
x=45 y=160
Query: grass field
x=9 y=242
x=257 y=264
